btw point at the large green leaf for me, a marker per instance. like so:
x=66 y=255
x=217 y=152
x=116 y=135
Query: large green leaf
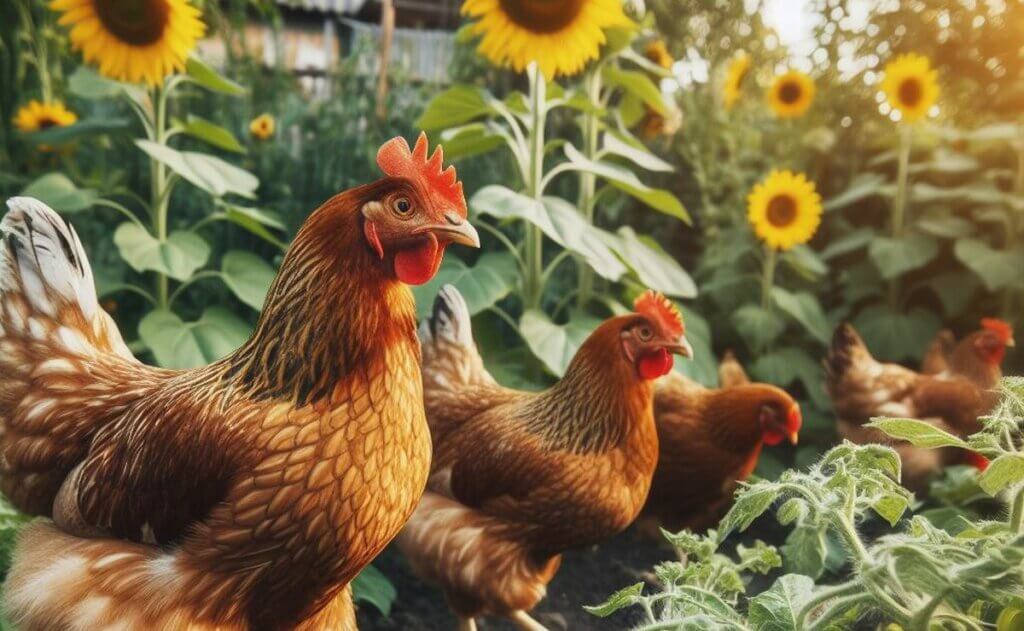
x=897 y=335
x=372 y=587
x=182 y=345
x=627 y=182
x=58 y=192
x=58 y=135
x=655 y=268
x=777 y=609
x=470 y=140
x=805 y=550
x=896 y=257
x=806 y=262
x=789 y=365
x=206 y=76
x=757 y=326
x=248 y=276
x=1005 y=471
x=455 y=106
x=861 y=187
x=211 y=133
x=178 y=257
x=702 y=367
x=492 y=278
x=210 y=173
x=556 y=344
x=255 y=220
x=638 y=84
x=558 y=220
x=997 y=269
x=805 y=309
x=89 y=84
x=917 y=433
x=619 y=144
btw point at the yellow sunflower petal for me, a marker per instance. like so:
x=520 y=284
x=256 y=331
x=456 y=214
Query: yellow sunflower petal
x=737 y=71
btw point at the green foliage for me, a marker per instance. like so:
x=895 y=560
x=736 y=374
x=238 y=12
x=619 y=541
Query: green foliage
x=960 y=573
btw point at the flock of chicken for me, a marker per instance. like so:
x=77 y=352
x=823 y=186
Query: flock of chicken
x=249 y=493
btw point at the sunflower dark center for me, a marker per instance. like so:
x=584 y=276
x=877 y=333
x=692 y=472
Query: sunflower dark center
x=542 y=16
x=135 y=22
x=911 y=92
x=46 y=123
x=781 y=211
x=789 y=92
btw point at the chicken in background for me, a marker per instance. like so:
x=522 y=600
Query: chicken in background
x=519 y=477
x=246 y=494
x=936 y=357
x=862 y=388
x=709 y=440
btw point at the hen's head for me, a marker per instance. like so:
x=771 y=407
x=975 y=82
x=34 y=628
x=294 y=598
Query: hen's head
x=990 y=343
x=780 y=418
x=413 y=214
x=650 y=336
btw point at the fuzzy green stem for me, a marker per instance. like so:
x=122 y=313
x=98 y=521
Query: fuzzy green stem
x=823 y=596
x=899 y=205
x=588 y=181
x=1016 y=522
x=534 y=240
x=768 y=276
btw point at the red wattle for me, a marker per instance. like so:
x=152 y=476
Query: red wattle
x=417 y=264
x=654 y=364
x=976 y=460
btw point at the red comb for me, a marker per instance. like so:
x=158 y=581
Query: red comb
x=1001 y=328
x=396 y=160
x=656 y=306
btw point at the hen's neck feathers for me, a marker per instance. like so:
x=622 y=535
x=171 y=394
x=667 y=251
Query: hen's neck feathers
x=331 y=313
x=966 y=362
x=598 y=402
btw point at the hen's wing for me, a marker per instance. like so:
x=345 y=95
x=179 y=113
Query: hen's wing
x=65 y=372
x=730 y=372
x=456 y=385
x=862 y=387
x=936 y=358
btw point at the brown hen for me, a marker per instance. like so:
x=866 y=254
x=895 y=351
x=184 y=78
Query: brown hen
x=519 y=477
x=862 y=388
x=243 y=495
x=709 y=441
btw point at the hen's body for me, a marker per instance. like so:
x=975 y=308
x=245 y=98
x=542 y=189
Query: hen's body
x=862 y=388
x=519 y=477
x=268 y=479
x=710 y=440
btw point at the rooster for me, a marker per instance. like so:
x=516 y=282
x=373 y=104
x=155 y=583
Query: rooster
x=246 y=494
x=862 y=388
x=519 y=477
x=711 y=439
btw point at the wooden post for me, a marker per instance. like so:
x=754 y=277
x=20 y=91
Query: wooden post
x=387 y=34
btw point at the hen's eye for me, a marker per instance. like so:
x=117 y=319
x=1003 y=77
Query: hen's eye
x=644 y=333
x=402 y=206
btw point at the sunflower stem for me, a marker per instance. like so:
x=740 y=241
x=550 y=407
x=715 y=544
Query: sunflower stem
x=158 y=187
x=768 y=276
x=899 y=206
x=534 y=239
x=588 y=181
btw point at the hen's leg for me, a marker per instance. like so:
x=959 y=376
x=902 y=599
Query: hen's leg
x=523 y=621
x=467 y=624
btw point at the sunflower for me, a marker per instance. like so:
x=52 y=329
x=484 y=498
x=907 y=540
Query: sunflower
x=791 y=94
x=737 y=71
x=133 y=40
x=784 y=209
x=262 y=127
x=657 y=52
x=560 y=35
x=911 y=85
x=38 y=115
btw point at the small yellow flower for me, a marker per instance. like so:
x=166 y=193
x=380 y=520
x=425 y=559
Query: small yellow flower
x=784 y=209
x=262 y=127
x=38 y=115
x=738 y=70
x=911 y=86
x=136 y=41
x=791 y=94
x=657 y=52
x=560 y=35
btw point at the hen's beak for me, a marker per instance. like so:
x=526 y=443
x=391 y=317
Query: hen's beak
x=794 y=438
x=681 y=347
x=1011 y=343
x=455 y=229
